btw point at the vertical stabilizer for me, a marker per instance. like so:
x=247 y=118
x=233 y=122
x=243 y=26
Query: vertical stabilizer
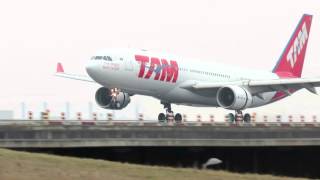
x=291 y=61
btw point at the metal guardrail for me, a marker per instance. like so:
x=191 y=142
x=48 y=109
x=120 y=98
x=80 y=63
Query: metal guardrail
x=153 y=123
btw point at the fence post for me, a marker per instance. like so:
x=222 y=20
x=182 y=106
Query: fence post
x=109 y=116
x=265 y=119
x=140 y=119
x=79 y=116
x=254 y=117
x=94 y=116
x=278 y=118
x=212 y=119
x=44 y=115
x=62 y=116
x=30 y=115
x=184 y=118
x=302 y=119
x=198 y=120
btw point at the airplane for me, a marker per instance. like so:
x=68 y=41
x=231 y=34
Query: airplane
x=172 y=79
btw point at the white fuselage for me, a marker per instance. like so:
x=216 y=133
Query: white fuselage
x=121 y=69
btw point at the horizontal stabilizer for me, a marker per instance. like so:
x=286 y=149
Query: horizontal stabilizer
x=60 y=73
x=60 y=68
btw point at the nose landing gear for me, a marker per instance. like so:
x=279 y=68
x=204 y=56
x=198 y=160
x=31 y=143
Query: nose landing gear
x=169 y=116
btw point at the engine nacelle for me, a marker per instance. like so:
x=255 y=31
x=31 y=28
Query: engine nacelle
x=105 y=99
x=234 y=98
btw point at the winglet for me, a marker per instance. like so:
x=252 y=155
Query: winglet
x=60 y=68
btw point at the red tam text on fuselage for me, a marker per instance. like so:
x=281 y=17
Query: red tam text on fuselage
x=162 y=69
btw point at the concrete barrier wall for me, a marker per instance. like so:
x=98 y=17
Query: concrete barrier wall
x=20 y=136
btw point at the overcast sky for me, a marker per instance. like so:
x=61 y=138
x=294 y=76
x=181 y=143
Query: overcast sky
x=36 y=34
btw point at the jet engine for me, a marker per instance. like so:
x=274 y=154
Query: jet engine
x=234 y=97
x=111 y=98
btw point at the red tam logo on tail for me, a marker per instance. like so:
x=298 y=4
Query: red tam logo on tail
x=291 y=61
x=298 y=45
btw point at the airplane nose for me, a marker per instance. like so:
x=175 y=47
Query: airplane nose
x=90 y=68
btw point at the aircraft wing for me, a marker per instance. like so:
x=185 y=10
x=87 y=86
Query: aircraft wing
x=60 y=73
x=259 y=86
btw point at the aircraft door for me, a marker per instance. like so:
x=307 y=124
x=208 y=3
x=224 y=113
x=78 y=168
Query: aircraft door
x=128 y=64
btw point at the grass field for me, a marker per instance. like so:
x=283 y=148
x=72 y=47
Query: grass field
x=33 y=166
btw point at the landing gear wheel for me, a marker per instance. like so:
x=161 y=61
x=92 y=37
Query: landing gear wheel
x=247 y=118
x=178 y=118
x=231 y=117
x=162 y=118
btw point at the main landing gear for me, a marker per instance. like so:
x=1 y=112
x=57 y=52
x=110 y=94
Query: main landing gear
x=239 y=117
x=169 y=116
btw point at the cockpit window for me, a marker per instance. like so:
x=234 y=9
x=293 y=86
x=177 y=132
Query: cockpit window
x=106 y=58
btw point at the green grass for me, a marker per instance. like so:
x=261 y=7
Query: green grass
x=34 y=166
